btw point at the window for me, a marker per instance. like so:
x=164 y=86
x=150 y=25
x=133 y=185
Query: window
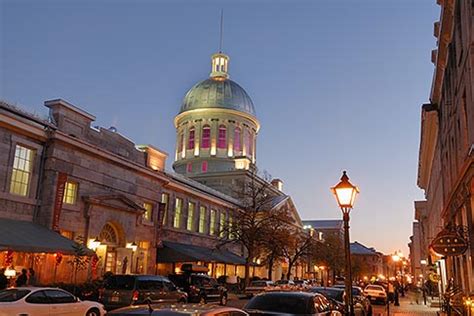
x=67 y=233
x=70 y=193
x=190 y=223
x=212 y=226
x=191 y=138
x=60 y=297
x=177 y=212
x=206 y=136
x=231 y=227
x=189 y=167
x=148 y=211
x=221 y=138
x=204 y=166
x=247 y=141
x=237 y=140
x=202 y=219
x=38 y=298
x=222 y=232
x=250 y=148
x=165 y=200
x=21 y=174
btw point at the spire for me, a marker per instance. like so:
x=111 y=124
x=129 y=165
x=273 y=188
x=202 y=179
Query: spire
x=220 y=61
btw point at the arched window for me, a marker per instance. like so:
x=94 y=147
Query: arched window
x=206 y=136
x=247 y=141
x=109 y=235
x=250 y=147
x=237 y=139
x=191 y=138
x=221 y=139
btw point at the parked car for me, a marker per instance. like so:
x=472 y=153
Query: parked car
x=178 y=310
x=285 y=284
x=301 y=284
x=124 y=290
x=200 y=287
x=359 y=297
x=290 y=303
x=44 y=301
x=376 y=293
x=256 y=287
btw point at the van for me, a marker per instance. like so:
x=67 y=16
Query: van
x=125 y=290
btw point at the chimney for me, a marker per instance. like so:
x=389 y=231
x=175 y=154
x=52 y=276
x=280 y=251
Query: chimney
x=277 y=183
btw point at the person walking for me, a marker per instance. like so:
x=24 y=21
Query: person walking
x=3 y=279
x=31 y=277
x=22 y=279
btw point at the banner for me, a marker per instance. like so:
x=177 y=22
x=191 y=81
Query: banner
x=58 y=201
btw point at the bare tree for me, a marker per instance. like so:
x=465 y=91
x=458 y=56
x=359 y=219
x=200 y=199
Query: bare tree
x=299 y=246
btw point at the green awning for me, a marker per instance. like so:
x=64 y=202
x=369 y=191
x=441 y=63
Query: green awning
x=177 y=252
x=22 y=236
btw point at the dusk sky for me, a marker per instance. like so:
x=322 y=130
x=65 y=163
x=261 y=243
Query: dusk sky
x=336 y=85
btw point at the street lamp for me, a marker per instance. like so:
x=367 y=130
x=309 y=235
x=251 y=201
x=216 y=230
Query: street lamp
x=345 y=193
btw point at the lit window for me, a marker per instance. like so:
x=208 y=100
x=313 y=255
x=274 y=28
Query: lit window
x=191 y=139
x=189 y=167
x=221 y=139
x=204 y=166
x=190 y=222
x=148 y=211
x=250 y=144
x=231 y=227
x=70 y=193
x=247 y=142
x=165 y=200
x=237 y=141
x=222 y=225
x=177 y=213
x=206 y=137
x=67 y=233
x=202 y=219
x=212 y=225
x=22 y=166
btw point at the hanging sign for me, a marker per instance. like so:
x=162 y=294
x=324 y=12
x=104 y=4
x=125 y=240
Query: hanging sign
x=449 y=244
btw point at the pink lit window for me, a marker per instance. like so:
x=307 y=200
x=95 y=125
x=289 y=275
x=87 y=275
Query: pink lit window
x=250 y=144
x=189 y=167
x=206 y=137
x=204 y=166
x=191 y=139
x=247 y=141
x=237 y=141
x=221 y=140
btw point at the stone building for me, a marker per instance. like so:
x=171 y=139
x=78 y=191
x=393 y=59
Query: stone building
x=446 y=170
x=366 y=262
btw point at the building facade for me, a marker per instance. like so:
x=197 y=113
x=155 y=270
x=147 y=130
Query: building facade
x=446 y=157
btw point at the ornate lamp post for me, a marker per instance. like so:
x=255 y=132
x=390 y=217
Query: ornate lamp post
x=345 y=193
x=396 y=258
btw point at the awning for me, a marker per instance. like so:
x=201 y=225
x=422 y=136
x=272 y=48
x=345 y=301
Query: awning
x=176 y=252
x=25 y=236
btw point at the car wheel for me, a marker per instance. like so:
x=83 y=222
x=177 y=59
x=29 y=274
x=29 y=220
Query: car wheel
x=223 y=300
x=93 y=312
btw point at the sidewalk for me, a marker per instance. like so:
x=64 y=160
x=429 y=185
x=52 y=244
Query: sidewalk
x=409 y=307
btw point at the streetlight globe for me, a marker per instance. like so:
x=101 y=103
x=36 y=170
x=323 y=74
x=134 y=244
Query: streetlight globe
x=345 y=192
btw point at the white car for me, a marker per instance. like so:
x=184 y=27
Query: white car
x=43 y=301
x=376 y=293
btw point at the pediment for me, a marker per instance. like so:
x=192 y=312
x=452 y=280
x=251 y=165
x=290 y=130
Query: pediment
x=115 y=201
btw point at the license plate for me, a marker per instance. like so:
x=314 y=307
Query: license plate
x=114 y=299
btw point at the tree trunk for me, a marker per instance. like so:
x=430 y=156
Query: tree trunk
x=290 y=265
x=247 y=272
x=270 y=269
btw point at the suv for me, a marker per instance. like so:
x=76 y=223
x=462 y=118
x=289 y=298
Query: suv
x=200 y=287
x=124 y=290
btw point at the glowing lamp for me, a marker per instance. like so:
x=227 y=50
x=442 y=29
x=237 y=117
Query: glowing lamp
x=345 y=192
x=94 y=243
x=10 y=273
x=132 y=246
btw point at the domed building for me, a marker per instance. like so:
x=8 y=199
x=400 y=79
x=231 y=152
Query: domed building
x=216 y=128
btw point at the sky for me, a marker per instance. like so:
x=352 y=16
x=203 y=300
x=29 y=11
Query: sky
x=337 y=85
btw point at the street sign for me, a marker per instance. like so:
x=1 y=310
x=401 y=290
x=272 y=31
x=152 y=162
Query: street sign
x=449 y=244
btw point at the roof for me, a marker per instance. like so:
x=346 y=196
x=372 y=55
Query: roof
x=324 y=223
x=359 y=249
x=25 y=236
x=177 y=252
x=211 y=93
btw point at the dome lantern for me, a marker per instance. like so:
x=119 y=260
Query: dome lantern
x=220 y=64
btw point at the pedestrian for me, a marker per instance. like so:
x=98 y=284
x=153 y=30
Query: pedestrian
x=31 y=277
x=3 y=279
x=22 y=279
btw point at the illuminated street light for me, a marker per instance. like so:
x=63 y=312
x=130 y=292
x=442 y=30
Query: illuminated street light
x=345 y=193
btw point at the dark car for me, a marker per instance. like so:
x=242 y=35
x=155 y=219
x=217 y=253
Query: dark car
x=178 y=310
x=200 y=287
x=359 y=297
x=289 y=303
x=125 y=290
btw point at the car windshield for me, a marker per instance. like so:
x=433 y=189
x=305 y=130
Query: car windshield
x=258 y=283
x=120 y=282
x=334 y=294
x=12 y=295
x=286 y=304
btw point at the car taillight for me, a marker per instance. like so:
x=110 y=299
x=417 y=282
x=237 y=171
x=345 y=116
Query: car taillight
x=135 y=296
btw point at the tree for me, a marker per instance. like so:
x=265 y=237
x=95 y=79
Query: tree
x=299 y=246
x=254 y=222
x=330 y=253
